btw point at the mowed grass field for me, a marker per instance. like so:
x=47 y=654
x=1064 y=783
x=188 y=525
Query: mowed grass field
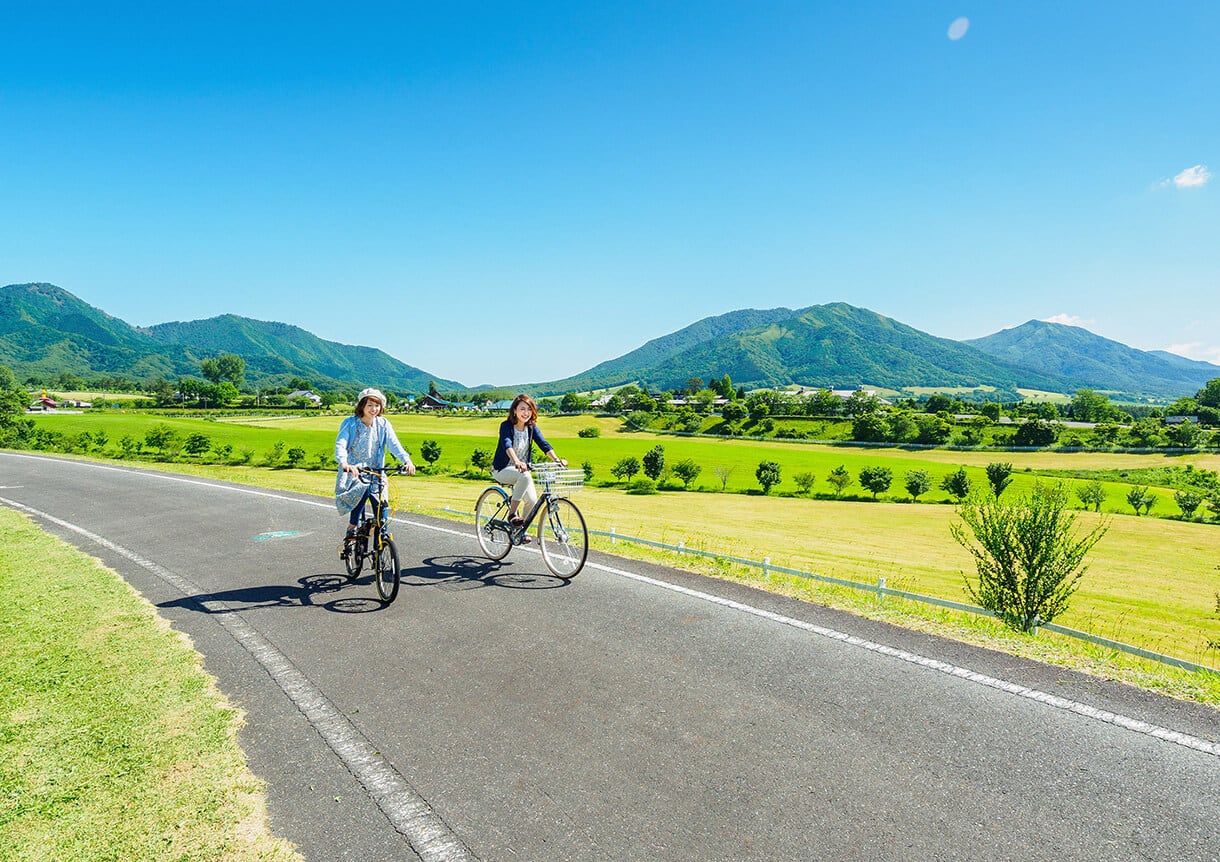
x=1152 y=582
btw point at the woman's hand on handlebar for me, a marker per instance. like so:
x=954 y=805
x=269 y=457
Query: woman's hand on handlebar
x=407 y=468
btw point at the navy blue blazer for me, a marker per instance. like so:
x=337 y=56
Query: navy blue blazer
x=501 y=459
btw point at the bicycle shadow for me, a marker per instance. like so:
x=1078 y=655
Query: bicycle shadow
x=456 y=572
x=302 y=595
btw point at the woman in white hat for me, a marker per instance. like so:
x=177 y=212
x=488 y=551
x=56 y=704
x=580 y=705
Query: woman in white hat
x=362 y=442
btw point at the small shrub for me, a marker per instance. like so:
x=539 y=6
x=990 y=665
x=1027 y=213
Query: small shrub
x=1028 y=558
x=589 y=432
x=642 y=485
x=768 y=475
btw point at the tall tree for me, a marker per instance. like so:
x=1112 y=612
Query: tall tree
x=233 y=369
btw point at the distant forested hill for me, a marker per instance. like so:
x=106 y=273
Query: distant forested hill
x=835 y=345
x=1092 y=362
x=45 y=330
x=280 y=348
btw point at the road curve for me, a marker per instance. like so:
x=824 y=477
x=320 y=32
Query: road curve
x=636 y=712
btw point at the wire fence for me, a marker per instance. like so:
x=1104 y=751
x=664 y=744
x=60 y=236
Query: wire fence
x=881 y=591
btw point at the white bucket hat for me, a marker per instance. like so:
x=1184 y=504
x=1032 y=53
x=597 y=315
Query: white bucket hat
x=371 y=393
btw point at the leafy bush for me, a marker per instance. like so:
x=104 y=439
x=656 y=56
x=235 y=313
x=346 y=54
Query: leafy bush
x=957 y=484
x=589 y=432
x=876 y=479
x=839 y=479
x=804 y=481
x=1028 y=558
x=1092 y=494
x=768 y=475
x=654 y=462
x=626 y=468
x=687 y=470
x=918 y=482
x=642 y=485
x=637 y=420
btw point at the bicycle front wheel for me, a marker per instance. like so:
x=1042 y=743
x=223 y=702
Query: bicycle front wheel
x=491 y=523
x=353 y=556
x=563 y=538
x=387 y=571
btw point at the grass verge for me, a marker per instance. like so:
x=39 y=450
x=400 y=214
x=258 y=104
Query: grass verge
x=114 y=742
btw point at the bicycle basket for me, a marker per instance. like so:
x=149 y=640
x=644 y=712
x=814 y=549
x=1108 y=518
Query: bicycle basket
x=558 y=481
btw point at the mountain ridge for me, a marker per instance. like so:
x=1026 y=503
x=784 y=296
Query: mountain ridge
x=44 y=329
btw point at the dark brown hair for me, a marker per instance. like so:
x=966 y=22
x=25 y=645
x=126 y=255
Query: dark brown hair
x=523 y=399
x=359 y=411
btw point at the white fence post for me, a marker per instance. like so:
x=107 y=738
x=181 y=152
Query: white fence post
x=613 y=538
x=880 y=588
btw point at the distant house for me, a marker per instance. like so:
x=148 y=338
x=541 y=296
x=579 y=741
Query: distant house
x=433 y=402
x=498 y=406
x=1178 y=420
x=44 y=403
x=307 y=394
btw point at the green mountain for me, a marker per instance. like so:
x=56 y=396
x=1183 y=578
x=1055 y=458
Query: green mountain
x=1090 y=361
x=639 y=364
x=282 y=349
x=835 y=345
x=45 y=330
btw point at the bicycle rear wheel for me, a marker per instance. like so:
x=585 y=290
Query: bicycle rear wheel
x=387 y=571
x=563 y=537
x=491 y=523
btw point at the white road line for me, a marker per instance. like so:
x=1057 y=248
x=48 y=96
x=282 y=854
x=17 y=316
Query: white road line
x=1133 y=724
x=406 y=810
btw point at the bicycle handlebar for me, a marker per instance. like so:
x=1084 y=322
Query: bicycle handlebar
x=366 y=472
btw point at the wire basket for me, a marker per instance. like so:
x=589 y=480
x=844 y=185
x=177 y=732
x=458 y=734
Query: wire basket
x=558 y=481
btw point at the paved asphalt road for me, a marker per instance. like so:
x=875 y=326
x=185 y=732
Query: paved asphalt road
x=495 y=713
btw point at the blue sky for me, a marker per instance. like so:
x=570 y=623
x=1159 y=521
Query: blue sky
x=500 y=193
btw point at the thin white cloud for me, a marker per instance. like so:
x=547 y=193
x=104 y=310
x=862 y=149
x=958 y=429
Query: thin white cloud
x=958 y=28
x=1191 y=178
x=1068 y=320
x=1196 y=350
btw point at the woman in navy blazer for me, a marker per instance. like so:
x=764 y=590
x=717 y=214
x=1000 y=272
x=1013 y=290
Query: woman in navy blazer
x=514 y=452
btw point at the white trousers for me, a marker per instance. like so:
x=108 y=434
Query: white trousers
x=523 y=486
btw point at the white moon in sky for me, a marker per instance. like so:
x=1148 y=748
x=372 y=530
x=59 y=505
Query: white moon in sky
x=958 y=28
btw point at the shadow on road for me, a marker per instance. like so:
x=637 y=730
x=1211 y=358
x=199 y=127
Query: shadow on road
x=473 y=573
x=447 y=573
x=305 y=593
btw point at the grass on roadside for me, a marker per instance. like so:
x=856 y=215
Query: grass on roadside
x=114 y=742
